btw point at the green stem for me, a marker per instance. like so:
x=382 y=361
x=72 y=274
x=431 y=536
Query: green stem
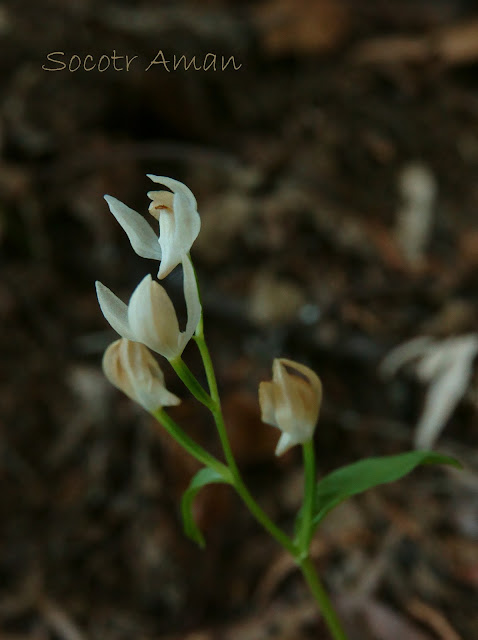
x=322 y=599
x=216 y=409
x=238 y=483
x=189 y=444
x=206 y=358
x=299 y=553
x=186 y=375
x=262 y=517
x=305 y=532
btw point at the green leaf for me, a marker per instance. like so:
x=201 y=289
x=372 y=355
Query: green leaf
x=202 y=478
x=365 y=474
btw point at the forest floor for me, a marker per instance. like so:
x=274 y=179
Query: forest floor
x=304 y=162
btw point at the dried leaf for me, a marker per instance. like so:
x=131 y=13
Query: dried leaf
x=303 y=27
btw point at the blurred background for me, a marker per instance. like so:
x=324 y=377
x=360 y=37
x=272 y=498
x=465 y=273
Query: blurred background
x=335 y=170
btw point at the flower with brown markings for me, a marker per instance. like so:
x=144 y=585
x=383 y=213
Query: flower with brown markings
x=291 y=402
x=130 y=367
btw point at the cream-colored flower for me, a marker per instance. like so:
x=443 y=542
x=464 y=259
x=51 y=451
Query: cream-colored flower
x=447 y=367
x=130 y=367
x=179 y=224
x=291 y=402
x=179 y=221
x=150 y=317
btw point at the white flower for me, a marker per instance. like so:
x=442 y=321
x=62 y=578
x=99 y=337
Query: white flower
x=142 y=237
x=291 y=402
x=447 y=366
x=130 y=367
x=150 y=317
x=179 y=221
x=179 y=224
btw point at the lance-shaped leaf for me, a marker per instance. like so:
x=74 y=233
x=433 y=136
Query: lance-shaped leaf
x=202 y=478
x=366 y=474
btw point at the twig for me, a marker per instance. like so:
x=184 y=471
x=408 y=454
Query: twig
x=433 y=618
x=59 y=620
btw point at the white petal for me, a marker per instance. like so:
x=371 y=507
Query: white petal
x=266 y=402
x=153 y=319
x=147 y=378
x=193 y=303
x=114 y=370
x=177 y=232
x=291 y=402
x=402 y=354
x=130 y=367
x=188 y=222
x=175 y=186
x=305 y=392
x=290 y=411
x=114 y=310
x=280 y=378
x=442 y=398
x=307 y=373
x=142 y=237
x=435 y=362
x=156 y=396
x=171 y=256
x=161 y=201
x=286 y=441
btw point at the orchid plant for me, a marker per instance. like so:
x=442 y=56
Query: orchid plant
x=290 y=402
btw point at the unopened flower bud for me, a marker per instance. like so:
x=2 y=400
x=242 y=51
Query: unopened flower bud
x=130 y=367
x=291 y=402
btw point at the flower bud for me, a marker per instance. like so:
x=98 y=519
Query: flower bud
x=291 y=402
x=130 y=367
